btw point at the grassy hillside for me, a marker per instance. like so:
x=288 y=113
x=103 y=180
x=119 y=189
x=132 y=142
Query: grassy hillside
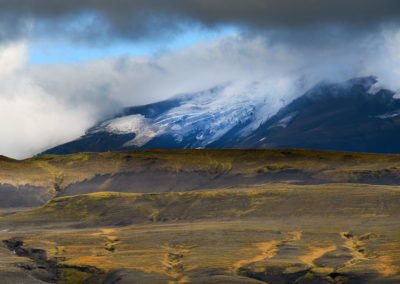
x=278 y=201
x=183 y=170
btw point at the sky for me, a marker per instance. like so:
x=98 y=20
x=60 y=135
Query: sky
x=64 y=65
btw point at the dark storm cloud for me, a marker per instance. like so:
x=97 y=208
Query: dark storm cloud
x=149 y=18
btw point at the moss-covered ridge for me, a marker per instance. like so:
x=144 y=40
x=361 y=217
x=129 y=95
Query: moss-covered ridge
x=110 y=208
x=152 y=171
x=67 y=169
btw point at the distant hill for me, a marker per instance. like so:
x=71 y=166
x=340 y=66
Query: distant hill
x=34 y=181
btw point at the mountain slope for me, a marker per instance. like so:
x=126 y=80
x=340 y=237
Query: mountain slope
x=346 y=117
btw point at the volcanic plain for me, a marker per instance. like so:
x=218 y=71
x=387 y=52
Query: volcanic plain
x=201 y=216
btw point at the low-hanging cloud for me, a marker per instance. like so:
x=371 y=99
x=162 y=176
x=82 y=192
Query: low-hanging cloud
x=102 y=20
x=31 y=118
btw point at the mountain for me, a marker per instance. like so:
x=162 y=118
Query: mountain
x=350 y=116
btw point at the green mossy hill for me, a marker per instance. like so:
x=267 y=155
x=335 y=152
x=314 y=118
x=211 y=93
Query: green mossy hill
x=77 y=167
x=182 y=170
x=108 y=208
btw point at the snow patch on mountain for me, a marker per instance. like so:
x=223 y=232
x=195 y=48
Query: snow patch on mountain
x=389 y=115
x=137 y=124
x=284 y=122
x=207 y=116
x=375 y=88
x=378 y=86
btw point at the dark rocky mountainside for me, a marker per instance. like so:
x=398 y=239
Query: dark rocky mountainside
x=344 y=117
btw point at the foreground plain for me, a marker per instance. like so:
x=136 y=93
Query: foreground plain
x=201 y=216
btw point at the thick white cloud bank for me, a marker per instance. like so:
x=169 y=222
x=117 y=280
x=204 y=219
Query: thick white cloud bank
x=45 y=105
x=30 y=117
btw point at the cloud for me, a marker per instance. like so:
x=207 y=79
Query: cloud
x=30 y=118
x=102 y=20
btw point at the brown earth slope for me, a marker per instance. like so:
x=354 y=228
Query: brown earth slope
x=223 y=216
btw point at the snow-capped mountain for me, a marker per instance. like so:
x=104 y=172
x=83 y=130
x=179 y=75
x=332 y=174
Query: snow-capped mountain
x=354 y=116
x=187 y=121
